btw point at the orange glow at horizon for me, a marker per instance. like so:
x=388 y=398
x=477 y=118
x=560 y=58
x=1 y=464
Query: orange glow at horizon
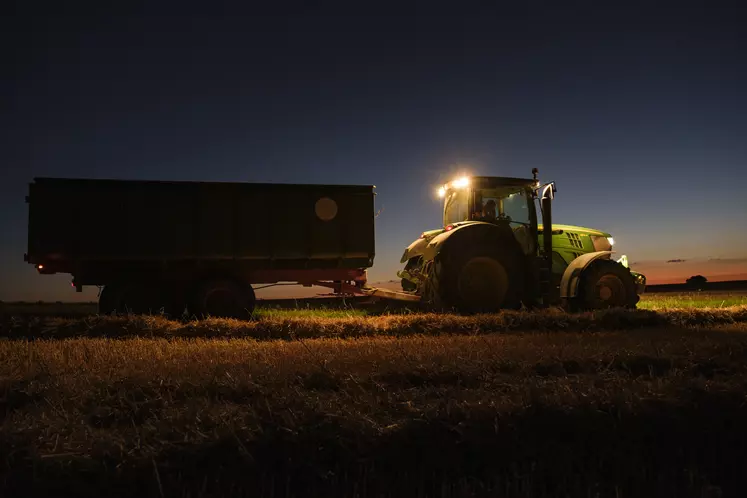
x=677 y=272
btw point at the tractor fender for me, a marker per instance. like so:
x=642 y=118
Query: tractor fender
x=474 y=232
x=414 y=249
x=572 y=274
x=433 y=247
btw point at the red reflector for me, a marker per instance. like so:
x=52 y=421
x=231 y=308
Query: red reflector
x=449 y=227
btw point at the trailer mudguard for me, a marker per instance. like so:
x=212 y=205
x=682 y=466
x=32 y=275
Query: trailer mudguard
x=572 y=274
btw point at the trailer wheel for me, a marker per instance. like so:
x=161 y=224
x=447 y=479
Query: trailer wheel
x=108 y=300
x=174 y=300
x=483 y=280
x=175 y=308
x=128 y=297
x=223 y=298
x=607 y=284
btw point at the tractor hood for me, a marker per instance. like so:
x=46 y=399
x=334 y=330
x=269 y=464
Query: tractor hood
x=566 y=228
x=417 y=247
x=577 y=229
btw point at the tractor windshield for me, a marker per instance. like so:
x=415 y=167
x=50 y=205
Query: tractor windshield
x=507 y=204
x=456 y=206
x=488 y=204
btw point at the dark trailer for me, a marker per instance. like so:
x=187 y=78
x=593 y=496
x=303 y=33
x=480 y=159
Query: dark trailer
x=173 y=245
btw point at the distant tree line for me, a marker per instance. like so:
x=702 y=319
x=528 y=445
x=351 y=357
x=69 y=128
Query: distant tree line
x=696 y=282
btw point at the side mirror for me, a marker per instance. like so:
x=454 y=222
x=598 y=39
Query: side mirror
x=548 y=190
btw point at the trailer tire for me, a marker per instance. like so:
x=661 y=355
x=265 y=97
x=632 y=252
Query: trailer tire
x=606 y=284
x=484 y=280
x=108 y=300
x=223 y=298
x=129 y=297
x=174 y=300
x=175 y=309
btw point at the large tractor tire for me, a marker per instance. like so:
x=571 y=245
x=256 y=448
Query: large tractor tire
x=606 y=284
x=482 y=280
x=223 y=298
x=412 y=264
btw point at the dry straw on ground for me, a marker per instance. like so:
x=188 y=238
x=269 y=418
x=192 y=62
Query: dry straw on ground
x=295 y=327
x=631 y=412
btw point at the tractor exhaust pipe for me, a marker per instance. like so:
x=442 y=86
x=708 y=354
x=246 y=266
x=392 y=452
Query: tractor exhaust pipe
x=548 y=193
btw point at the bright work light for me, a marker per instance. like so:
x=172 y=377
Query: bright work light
x=461 y=182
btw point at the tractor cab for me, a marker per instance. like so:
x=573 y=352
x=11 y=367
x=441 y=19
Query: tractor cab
x=494 y=200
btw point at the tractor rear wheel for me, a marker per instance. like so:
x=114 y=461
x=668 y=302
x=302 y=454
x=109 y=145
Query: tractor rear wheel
x=607 y=284
x=483 y=280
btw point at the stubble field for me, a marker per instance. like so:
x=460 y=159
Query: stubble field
x=347 y=402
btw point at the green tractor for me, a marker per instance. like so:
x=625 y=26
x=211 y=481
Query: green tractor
x=492 y=253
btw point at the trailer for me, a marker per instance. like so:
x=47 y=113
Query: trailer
x=199 y=246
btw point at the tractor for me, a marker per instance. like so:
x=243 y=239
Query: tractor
x=493 y=253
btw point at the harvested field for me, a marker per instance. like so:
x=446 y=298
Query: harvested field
x=619 y=403
x=695 y=299
x=622 y=413
x=315 y=326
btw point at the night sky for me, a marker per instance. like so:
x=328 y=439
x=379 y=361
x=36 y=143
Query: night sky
x=637 y=110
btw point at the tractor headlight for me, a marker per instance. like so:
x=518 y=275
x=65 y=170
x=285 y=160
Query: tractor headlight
x=611 y=241
x=602 y=243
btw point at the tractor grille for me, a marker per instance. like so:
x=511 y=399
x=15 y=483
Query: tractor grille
x=574 y=240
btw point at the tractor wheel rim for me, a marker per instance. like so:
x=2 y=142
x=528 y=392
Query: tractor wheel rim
x=483 y=284
x=610 y=290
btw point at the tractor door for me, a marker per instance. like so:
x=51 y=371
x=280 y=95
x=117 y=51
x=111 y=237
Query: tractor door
x=511 y=206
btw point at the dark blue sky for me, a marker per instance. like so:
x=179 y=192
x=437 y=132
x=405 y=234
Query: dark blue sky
x=637 y=110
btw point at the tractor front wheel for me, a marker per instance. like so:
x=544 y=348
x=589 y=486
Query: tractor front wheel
x=607 y=284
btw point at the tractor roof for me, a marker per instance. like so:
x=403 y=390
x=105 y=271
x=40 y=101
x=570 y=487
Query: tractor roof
x=501 y=181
